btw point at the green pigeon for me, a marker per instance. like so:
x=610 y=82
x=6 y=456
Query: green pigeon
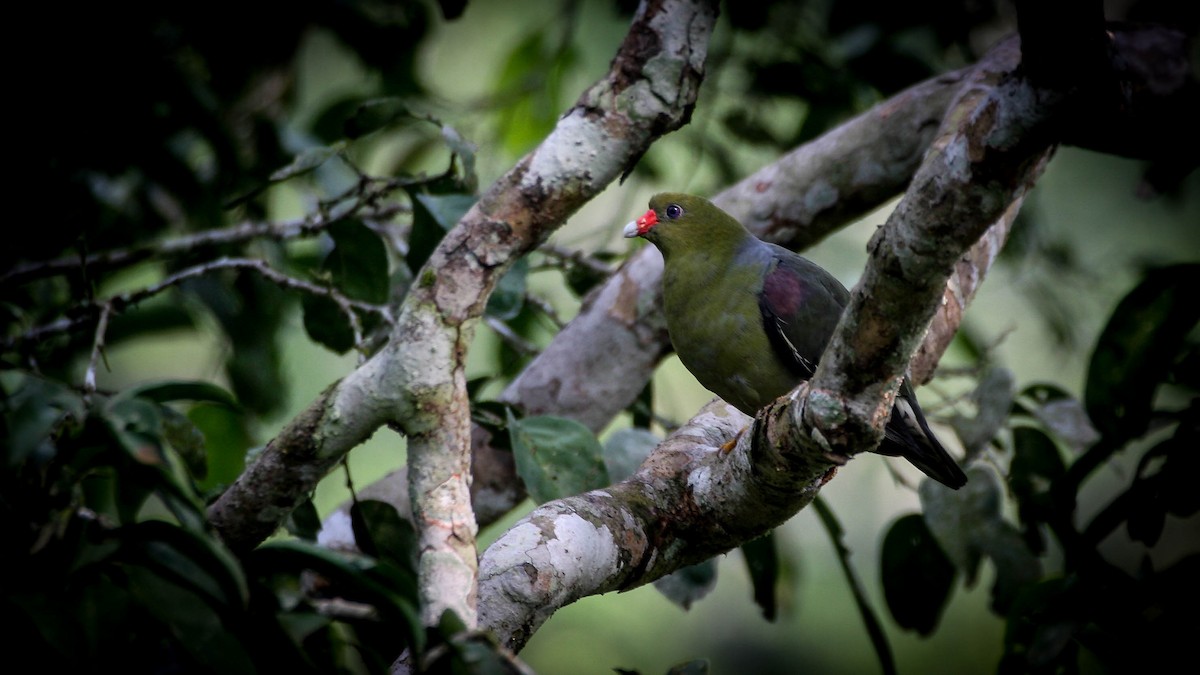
x=751 y=319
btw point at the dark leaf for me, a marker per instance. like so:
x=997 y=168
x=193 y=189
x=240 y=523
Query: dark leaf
x=625 y=450
x=688 y=584
x=303 y=521
x=379 y=531
x=762 y=562
x=1137 y=349
x=177 y=390
x=358 y=262
x=1016 y=566
x=326 y=323
x=33 y=410
x=1036 y=464
x=189 y=559
x=917 y=576
x=509 y=297
x=993 y=401
x=226 y=440
x=556 y=457
x=354 y=577
x=432 y=217
x=196 y=628
x=1061 y=413
x=953 y=516
x=1182 y=465
x=186 y=440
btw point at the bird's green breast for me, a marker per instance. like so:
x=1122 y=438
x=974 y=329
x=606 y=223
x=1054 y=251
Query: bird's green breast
x=716 y=326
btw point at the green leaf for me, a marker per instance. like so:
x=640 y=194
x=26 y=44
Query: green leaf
x=1016 y=566
x=352 y=577
x=1035 y=466
x=186 y=440
x=762 y=562
x=625 y=450
x=1061 y=413
x=953 y=516
x=179 y=390
x=917 y=576
x=688 y=584
x=460 y=651
x=326 y=324
x=358 y=261
x=993 y=400
x=189 y=559
x=226 y=441
x=376 y=114
x=433 y=216
x=137 y=426
x=968 y=524
x=556 y=457
x=37 y=407
x=1138 y=348
x=534 y=69
x=303 y=521
x=509 y=297
x=379 y=531
x=306 y=161
x=465 y=151
x=197 y=629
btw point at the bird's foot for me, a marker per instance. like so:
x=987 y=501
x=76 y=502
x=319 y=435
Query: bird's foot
x=730 y=444
x=828 y=475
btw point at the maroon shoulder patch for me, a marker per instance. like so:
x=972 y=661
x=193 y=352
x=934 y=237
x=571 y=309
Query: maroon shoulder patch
x=783 y=292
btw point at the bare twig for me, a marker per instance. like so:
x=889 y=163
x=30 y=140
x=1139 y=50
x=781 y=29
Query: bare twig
x=118 y=303
x=89 y=377
x=166 y=248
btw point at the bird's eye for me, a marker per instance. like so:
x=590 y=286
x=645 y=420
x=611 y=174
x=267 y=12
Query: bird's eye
x=674 y=211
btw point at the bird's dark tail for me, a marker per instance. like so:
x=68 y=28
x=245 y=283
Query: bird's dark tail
x=908 y=435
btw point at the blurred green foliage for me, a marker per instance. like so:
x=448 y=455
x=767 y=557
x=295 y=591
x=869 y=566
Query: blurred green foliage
x=183 y=120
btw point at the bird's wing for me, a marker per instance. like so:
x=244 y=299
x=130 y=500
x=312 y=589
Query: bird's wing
x=801 y=304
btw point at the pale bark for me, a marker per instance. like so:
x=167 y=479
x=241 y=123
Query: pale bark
x=691 y=501
x=416 y=382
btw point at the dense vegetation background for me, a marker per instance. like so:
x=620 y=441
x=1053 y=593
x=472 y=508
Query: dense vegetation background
x=220 y=190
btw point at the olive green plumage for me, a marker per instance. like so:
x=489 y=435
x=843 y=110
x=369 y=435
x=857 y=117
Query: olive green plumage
x=750 y=319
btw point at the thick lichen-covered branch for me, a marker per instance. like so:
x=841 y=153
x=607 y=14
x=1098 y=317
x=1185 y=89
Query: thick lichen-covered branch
x=990 y=150
x=688 y=502
x=600 y=362
x=987 y=152
x=416 y=382
x=612 y=124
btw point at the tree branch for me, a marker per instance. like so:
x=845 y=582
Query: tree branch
x=689 y=501
x=417 y=381
x=599 y=363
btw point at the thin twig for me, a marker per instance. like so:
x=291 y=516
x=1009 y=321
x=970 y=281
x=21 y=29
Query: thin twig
x=283 y=231
x=118 y=303
x=89 y=378
x=546 y=308
x=520 y=344
x=568 y=256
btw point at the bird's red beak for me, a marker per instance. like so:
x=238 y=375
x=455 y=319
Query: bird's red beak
x=642 y=225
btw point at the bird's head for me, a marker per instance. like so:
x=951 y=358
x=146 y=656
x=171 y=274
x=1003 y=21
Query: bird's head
x=678 y=221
